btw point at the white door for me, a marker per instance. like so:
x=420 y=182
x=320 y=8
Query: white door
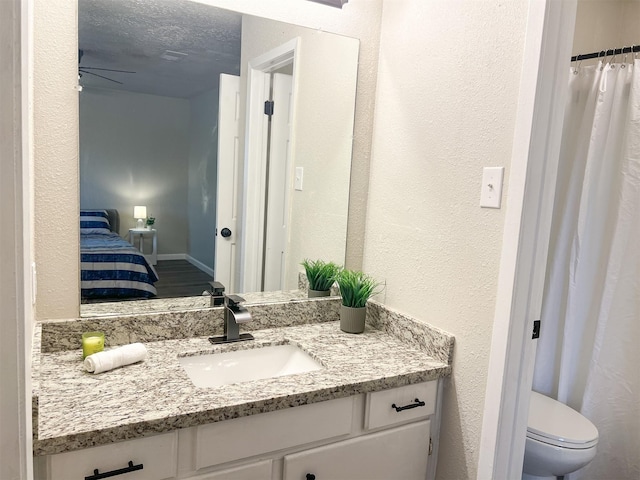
x=226 y=240
x=279 y=185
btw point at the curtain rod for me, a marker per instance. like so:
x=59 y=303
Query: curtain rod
x=606 y=53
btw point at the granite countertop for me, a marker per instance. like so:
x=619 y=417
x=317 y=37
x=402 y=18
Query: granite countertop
x=74 y=409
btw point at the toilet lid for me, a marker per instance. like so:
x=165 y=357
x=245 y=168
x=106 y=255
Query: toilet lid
x=557 y=424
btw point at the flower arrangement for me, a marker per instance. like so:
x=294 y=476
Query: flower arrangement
x=150 y=221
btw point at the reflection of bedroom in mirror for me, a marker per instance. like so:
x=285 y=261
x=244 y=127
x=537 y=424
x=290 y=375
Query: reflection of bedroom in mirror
x=150 y=138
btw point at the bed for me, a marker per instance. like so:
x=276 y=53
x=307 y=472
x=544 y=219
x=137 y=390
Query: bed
x=110 y=267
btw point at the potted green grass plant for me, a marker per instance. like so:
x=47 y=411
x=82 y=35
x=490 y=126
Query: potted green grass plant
x=321 y=276
x=355 y=289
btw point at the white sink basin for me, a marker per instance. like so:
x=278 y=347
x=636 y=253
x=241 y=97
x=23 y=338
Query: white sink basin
x=216 y=369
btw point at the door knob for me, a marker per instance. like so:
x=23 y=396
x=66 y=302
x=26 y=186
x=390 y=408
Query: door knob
x=225 y=232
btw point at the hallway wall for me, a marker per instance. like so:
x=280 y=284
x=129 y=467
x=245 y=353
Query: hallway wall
x=443 y=112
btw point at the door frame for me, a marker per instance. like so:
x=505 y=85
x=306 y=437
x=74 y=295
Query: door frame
x=279 y=190
x=17 y=272
x=259 y=68
x=532 y=180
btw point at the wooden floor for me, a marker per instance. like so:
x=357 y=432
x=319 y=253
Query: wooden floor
x=178 y=278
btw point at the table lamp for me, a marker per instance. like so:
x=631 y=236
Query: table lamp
x=140 y=212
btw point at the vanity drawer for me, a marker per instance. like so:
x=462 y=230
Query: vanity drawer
x=244 y=437
x=397 y=405
x=157 y=455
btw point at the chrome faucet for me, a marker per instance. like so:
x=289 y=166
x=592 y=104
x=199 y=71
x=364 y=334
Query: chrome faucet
x=234 y=314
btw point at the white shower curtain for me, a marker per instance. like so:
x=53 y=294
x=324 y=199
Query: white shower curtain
x=588 y=354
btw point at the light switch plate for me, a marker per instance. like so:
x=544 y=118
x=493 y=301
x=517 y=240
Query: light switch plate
x=491 y=191
x=298 y=180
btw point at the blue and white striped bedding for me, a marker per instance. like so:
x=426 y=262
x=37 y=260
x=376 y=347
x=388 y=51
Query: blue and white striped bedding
x=94 y=221
x=110 y=266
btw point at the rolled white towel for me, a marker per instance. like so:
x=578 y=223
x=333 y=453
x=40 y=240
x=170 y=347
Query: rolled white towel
x=116 y=357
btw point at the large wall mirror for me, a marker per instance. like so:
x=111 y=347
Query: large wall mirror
x=150 y=138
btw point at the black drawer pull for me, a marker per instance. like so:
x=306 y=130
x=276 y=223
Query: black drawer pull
x=113 y=473
x=407 y=407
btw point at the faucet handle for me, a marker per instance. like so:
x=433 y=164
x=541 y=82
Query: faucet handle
x=217 y=293
x=234 y=300
x=217 y=288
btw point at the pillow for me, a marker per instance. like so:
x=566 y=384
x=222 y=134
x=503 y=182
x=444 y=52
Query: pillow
x=94 y=222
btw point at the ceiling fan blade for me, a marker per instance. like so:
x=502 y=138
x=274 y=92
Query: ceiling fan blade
x=105 y=69
x=96 y=75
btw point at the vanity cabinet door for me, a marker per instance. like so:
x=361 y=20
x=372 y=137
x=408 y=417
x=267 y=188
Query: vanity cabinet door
x=398 y=454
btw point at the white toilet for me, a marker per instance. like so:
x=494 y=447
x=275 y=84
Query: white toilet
x=559 y=439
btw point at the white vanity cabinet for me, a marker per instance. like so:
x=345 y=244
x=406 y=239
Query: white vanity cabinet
x=390 y=434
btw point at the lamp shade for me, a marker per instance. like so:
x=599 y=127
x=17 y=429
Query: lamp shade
x=139 y=212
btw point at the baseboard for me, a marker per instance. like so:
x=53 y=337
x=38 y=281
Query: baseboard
x=172 y=256
x=199 y=264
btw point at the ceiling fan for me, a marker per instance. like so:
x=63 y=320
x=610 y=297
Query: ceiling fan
x=82 y=70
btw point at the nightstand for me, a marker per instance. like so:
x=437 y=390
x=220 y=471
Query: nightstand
x=151 y=257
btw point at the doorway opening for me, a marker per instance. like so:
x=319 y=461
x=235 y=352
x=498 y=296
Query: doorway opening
x=270 y=135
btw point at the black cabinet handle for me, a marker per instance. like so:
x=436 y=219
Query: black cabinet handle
x=113 y=473
x=407 y=407
x=310 y=476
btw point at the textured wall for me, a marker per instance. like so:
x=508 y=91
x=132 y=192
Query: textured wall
x=134 y=150
x=203 y=164
x=56 y=158
x=446 y=101
x=322 y=135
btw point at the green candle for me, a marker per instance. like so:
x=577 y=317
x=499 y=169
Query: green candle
x=92 y=342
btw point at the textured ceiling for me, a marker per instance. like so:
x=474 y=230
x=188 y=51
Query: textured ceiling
x=134 y=34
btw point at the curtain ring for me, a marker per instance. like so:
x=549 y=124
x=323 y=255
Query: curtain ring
x=576 y=66
x=624 y=58
x=603 y=53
